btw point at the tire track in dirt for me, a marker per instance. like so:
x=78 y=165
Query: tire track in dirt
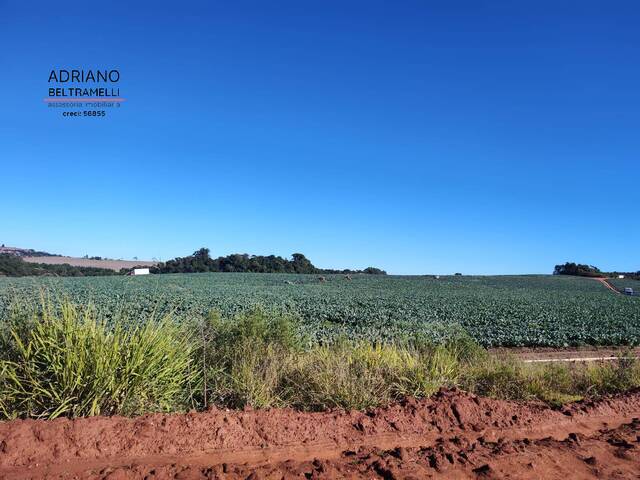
x=288 y=444
x=250 y=459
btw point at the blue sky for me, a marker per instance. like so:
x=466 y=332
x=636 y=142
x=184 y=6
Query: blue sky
x=419 y=137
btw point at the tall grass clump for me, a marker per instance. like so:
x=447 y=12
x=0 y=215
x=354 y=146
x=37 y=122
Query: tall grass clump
x=508 y=378
x=360 y=375
x=347 y=375
x=71 y=362
x=260 y=359
x=610 y=377
x=244 y=358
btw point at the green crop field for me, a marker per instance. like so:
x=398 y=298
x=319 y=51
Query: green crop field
x=536 y=310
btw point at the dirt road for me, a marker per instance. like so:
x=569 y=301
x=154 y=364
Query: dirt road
x=606 y=283
x=451 y=435
x=576 y=354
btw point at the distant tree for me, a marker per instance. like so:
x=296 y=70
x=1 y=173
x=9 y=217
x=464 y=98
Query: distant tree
x=301 y=264
x=570 y=268
x=374 y=271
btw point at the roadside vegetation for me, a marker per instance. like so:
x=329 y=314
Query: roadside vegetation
x=68 y=360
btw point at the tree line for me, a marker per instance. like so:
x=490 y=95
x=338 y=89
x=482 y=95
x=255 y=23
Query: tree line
x=582 y=270
x=201 y=261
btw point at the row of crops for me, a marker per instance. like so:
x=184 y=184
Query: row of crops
x=535 y=310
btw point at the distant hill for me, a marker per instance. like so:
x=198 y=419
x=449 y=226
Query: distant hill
x=95 y=262
x=24 y=252
x=28 y=255
x=12 y=265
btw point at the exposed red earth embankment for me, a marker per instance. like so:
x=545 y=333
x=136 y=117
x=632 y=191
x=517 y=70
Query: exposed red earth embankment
x=450 y=435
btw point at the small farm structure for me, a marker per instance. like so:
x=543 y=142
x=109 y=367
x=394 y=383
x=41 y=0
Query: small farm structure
x=139 y=271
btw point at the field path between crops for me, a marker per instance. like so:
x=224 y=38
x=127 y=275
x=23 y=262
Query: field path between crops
x=606 y=283
x=450 y=435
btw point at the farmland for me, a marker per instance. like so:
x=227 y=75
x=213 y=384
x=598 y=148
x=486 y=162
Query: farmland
x=535 y=310
x=68 y=362
x=88 y=262
x=622 y=283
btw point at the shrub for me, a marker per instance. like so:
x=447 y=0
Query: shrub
x=344 y=375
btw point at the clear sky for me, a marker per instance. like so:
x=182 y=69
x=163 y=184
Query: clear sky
x=416 y=136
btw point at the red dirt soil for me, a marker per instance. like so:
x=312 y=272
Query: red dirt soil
x=450 y=435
